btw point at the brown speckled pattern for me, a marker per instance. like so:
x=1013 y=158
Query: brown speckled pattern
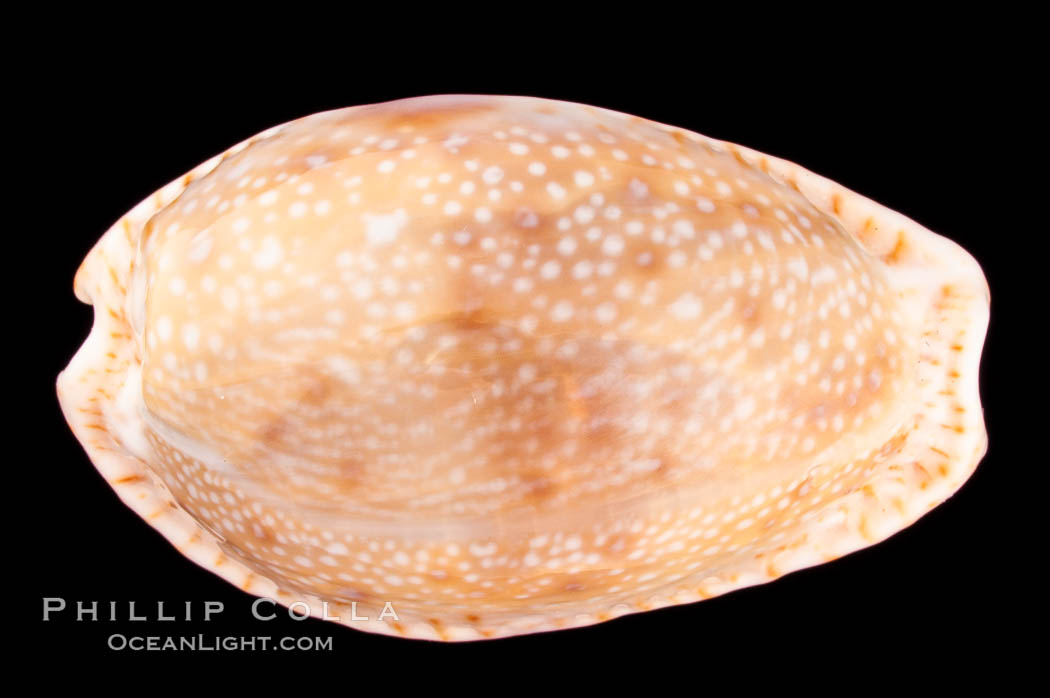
x=516 y=365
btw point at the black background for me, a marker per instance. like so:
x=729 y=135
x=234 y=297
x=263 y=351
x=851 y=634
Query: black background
x=923 y=132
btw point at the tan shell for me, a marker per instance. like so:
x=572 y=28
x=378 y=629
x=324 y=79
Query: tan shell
x=515 y=365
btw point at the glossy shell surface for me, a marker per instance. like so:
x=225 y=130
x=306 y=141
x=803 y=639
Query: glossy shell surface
x=513 y=365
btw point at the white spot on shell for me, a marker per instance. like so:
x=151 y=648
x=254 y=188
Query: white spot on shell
x=687 y=307
x=384 y=229
x=270 y=253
